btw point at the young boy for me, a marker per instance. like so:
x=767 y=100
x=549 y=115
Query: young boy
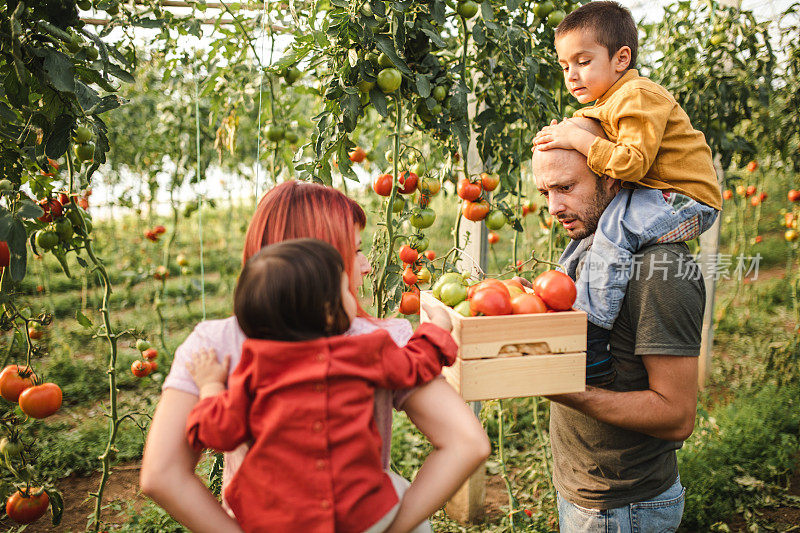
x=670 y=191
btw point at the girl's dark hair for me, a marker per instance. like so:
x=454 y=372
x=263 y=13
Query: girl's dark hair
x=291 y=291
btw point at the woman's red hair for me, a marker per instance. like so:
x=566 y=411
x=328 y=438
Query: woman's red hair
x=300 y=209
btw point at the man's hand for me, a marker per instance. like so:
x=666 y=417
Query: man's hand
x=565 y=135
x=666 y=410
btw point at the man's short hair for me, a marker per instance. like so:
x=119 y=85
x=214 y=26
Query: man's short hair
x=611 y=24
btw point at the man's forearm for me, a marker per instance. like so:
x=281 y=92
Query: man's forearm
x=643 y=411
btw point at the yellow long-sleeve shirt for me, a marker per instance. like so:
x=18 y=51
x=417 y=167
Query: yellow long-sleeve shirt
x=651 y=141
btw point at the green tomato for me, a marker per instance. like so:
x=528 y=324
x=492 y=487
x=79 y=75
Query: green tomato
x=384 y=61
x=372 y=58
x=462 y=308
x=439 y=93
x=555 y=18
x=112 y=10
x=142 y=345
x=389 y=80
x=275 y=133
x=437 y=109
x=84 y=152
x=418 y=168
x=292 y=74
x=542 y=9
x=84 y=5
x=46 y=239
x=82 y=135
x=495 y=220
x=467 y=9
x=444 y=279
x=64 y=229
x=423 y=218
x=398 y=205
x=291 y=137
x=10 y=448
x=365 y=86
x=6 y=185
x=430 y=186
x=452 y=294
x=419 y=243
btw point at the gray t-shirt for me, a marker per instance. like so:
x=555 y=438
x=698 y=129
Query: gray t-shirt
x=600 y=466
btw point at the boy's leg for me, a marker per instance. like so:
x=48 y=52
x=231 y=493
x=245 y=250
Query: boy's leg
x=635 y=218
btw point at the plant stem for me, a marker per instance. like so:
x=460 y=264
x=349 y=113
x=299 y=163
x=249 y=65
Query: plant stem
x=512 y=501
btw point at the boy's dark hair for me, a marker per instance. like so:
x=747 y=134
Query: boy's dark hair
x=291 y=291
x=611 y=24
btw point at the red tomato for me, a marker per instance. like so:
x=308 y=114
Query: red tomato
x=150 y=354
x=13 y=380
x=762 y=196
x=750 y=191
x=159 y=230
x=358 y=155
x=383 y=185
x=151 y=235
x=40 y=401
x=727 y=195
x=35 y=332
x=24 y=508
x=467 y=190
x=489 y=182
x=475 y=211
x=52 y=209
x=407 y=182
x=409 y=303
x=751 y=166
x=556 y=289
x=514 y=287
x=5 y=254
x=84 y=203
x=409 y=277
x=63 y=198
x=494 y=238
x=140 y=368
x=431 y=255
x=793 y=195
x=490 y=302
x=408 y=254
x=526 y=303
x=153 y=366
x=489 y=283
x=758 y=239
x=755 y=200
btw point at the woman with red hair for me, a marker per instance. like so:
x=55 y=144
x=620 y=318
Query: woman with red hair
x=294 y=210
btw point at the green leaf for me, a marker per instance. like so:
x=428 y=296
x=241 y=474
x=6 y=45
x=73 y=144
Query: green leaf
x=28 y=209
x=386 y=46
x=378 y=100
x=56 y=505
x=58 y=69
x=58 y=141
x=352 y=105
x=423 y=86
x=83 y=320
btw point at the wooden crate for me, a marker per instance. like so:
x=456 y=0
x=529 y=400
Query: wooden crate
x=489 y=367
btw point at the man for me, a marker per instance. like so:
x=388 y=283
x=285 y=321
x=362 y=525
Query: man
x=614 y=457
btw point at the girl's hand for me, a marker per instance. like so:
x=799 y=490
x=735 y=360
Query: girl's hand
x=207 y=373
x=438 y=316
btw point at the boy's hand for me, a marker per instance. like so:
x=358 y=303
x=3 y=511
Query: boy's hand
x=564 y=135
x=206 y=371
x=438 y=316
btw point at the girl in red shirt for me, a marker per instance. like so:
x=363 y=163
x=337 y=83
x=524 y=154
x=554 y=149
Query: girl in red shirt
x=303 y=393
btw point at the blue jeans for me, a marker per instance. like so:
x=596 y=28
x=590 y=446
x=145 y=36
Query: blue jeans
x=634 y=219
x=661 y=514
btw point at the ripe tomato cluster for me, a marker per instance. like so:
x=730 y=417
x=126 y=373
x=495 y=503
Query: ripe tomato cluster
x=147 y=364
x=18 y=384
x=552 y=291
x=154 y=233
x=415 y=272
x=475 y=205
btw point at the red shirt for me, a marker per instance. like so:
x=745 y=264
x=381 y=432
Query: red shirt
x=315 y=463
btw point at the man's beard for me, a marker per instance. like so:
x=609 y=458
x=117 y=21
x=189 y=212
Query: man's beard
x=591 y=215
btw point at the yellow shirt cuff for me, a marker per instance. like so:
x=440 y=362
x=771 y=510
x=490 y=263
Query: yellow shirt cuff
x=599 y=155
